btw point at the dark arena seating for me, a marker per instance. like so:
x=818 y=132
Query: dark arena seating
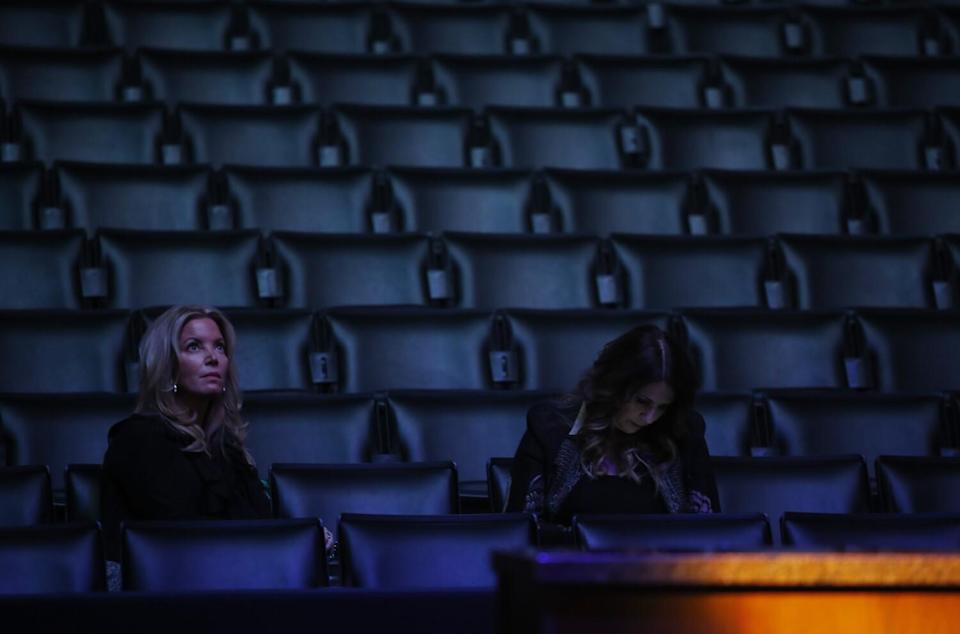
x=424 y=216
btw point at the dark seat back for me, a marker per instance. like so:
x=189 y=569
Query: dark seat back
x=698 y=532
x=25 y=496
x=51 y=559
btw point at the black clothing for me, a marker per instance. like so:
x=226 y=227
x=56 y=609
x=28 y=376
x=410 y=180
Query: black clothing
x=148 y=476
x=610 y=495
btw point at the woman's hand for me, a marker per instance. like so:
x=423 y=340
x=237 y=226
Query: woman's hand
x=327 y=539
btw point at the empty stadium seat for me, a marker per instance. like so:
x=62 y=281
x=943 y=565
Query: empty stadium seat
x=531 y=138
x=871 y=531
x=764 y=203
x=553 y=349
x=273 y=348
x=909 y=82
x=41 y=270
x=605 y=202
x=692 y=139
x=754 y=31
x=240 y=79
x=25 y=496
x=61 y=74
x=743 y=350
x=334 y=200
x=913 y=484
x=376 y=80
x=498 y=482
x=98 y=345
x=47 y=23
x=20 y=196
x=251 y=135
x=480 y=29
x=830 y=272
x=494 y=271
x=481 y=201
x=223 y=555
x=910 y=203
x=602 y=30
x=410 y=552
x=342 y=27
x=668 y=272
x=145 y=197
x=328 y=491
x=310 y=428
x=950 y=121
x=398 y=348
x=911 y=350
x=60 y=429
x=51 y=559
x=477 y=82
x=852 y=31
x=434 y=137
x=161 y=268
x=697 y=532
x=82 y=482
x=652 y=82
x=96 y=133
x=799 y=83
x=731 y=429
x=203 y=26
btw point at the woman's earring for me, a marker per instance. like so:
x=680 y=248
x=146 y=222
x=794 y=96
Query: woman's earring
x=223 y=390
x=175 y=388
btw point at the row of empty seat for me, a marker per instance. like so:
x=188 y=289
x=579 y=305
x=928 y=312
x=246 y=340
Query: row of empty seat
x=259 y=79
x=477 y=29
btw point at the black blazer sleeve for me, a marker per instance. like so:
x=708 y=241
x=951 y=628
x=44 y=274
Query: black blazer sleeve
x=547 y=426
x=698 y=473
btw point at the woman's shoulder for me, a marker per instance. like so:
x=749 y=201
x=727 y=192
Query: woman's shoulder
x=552 y=416
x=140 y=426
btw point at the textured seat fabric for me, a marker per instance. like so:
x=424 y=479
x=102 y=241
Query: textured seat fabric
x=325 y=79
x=730 y=424
x=40 y=270
x=708 y=532
x=51 y=23
x=777 y=83
x=25 y=496
x=178 y=25
x=914 y=484
x=51 y=559
x=342 y=27
x=60 y=74
x=702 y=29
x=223 y=555
x=910 y=203
x=235 y=78
x=384 y=552
x=650 y=82
x=600 y=30
x=871 y=532
x=328 y=491
x=82 y=482
x=19 y=195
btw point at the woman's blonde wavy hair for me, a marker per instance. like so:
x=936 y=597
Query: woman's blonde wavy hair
x=637 y=358
x=159 y=367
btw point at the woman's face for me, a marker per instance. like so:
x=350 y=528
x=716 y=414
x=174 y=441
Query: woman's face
x=202 y=357
x=644 y=407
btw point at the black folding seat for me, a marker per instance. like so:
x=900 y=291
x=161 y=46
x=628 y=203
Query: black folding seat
x=911 y=350
x=273 y=348
x=692 y=139
x=51 y=560
x=364 y=79
x=480 y=201
x=227 y=78
x=665 y=272
x=117 y=133
x=82 y=482
x=194 y=26
x=830 y=272
x=483 y=29
x=478 y=82
x=501 y=271
x=250 y=135
x=871 y=531
x=434 y=137
x=336 y=27
x=468 y=428
x=724 y=30
x=498 y=482
x=909 y=82
x=61 y=74
x=328 y=491
x=605 y=202
x=910 y=203
x=699 y=532
x=398 y=348
x=334 y=200
x=653 y=82
x=144 y=197
x=855 y=31
x=409 y=552
x=223 y=555
x=764 y=203
x=310 y=428
x=843 y=139
x=60 y=429
x=43 y=23
x=552 y=349
x=20 y=196
x=822 y=423
x=826 y=484
x=532 y=138
x=322 y=271
x=778 y=83
x=98 y=346
x=747 y=349
x=914 y=484
x=40 y=269
x=599 y=30
x=161 y=268
x=731 y=427
x=950 y=120
x=25 y=496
